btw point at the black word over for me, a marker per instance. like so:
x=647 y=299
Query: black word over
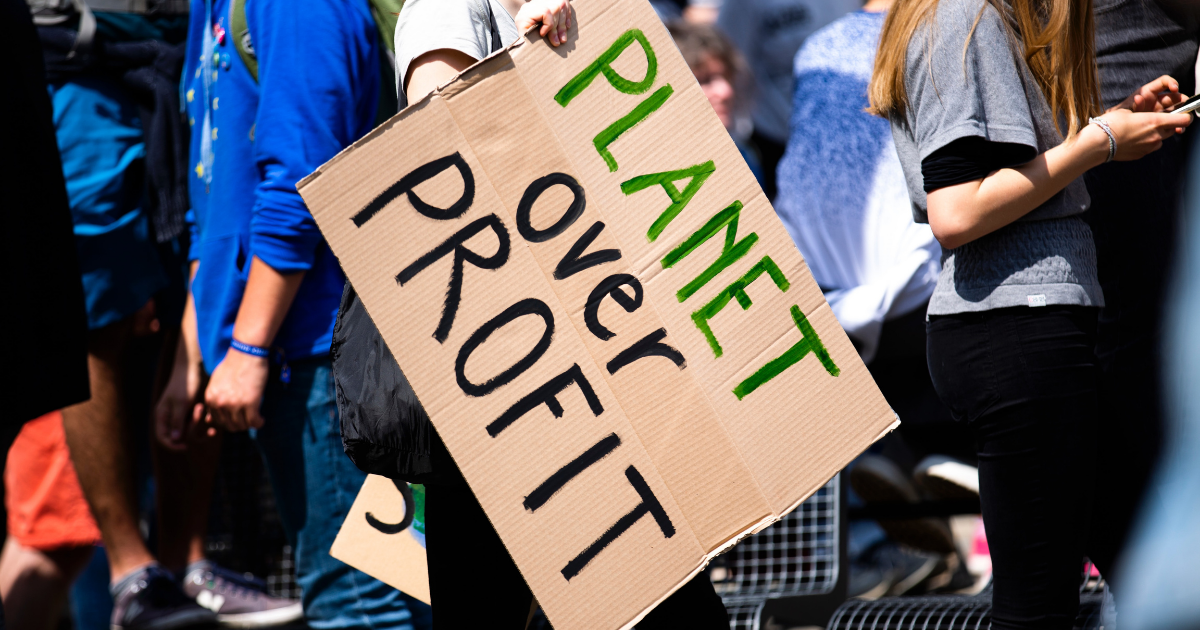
x=410 y=508
x=649 y=346
x=547 y=395
x=649 y=505
x=528 y=306
x=575 y=261
x=533 y=192
x=611 y=286
x=551 y=486
x=456 y=245
x=419 y=175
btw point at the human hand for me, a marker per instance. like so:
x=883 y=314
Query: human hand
x=1139 y=133
x=235 y=392
x=554 y=16
x=1158 y=95
x=180 y=408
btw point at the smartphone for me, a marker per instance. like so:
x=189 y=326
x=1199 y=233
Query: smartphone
x=1188 y=107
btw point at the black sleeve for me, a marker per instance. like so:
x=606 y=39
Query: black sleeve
x=969 y=159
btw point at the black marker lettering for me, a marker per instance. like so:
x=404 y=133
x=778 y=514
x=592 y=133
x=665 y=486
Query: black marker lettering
x=461 y=254
x=546 y=394
x=535 y=190
x=419 y=175
x=649 y=505
x=551 y=486
x=528 y=306
x=611 y=286
x=649 y=346
x=573 y=262
x=409 y=511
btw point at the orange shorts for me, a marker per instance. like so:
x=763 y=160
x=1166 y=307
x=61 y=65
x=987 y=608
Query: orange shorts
x=46 y=508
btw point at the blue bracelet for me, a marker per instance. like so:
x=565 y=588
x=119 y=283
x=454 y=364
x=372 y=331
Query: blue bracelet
x=256 y=351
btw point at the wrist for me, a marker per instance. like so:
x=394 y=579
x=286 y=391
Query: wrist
x=1101 y=141
x=1095 y=143
x=241 y=347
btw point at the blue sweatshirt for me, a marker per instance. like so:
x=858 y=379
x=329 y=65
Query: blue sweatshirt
x=317 y=90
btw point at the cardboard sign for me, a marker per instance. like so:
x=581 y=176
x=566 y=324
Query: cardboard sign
x=596 y=304
x=379 y=538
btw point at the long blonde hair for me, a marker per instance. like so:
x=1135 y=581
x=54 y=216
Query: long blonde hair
x=1058 y=38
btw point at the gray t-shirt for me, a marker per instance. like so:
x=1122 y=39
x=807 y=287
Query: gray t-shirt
x=462 y=25
x=1046 y=257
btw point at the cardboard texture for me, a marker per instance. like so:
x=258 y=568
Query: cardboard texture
x=596 y=304
x=373 y=541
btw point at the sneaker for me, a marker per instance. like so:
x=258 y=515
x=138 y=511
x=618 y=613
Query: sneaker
x=238 y=601
x=877 y=480
x=868 y=582
x=907 y=569
x=947 y=478
x=955 y=579
x=149 y=599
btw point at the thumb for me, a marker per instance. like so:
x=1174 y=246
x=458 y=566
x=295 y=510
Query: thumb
x=1172 y=120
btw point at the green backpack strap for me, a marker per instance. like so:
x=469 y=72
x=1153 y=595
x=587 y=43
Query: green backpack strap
x=241 y=36
x=384 y=12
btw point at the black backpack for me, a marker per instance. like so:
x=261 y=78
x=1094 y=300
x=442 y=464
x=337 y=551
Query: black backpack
x=385 y=430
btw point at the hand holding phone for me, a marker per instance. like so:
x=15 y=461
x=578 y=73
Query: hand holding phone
x=1188 y=107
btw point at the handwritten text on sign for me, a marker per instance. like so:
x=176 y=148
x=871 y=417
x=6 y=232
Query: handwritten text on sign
x=624 y=289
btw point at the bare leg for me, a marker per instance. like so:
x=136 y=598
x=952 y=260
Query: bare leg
x=33 y=583
x=98 y=437
x=185 y=482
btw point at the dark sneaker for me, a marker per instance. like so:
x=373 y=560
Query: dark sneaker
x=868 y=581
x=907 y=570
x=238 y=601
x=877 y=480
x=149 y=599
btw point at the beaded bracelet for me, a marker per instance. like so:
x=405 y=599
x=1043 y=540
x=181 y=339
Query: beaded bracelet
x=1112 y=138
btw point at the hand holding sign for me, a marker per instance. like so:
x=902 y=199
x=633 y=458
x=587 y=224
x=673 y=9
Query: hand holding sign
x=553 y=15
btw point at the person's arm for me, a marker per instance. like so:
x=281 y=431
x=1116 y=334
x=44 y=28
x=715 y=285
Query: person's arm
x=965 y=212
x=316 y=71
x=432 y=69
x=181 y=398
x=436 y=67
x=235 y=392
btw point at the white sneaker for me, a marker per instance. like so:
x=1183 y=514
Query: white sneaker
x=947 y=478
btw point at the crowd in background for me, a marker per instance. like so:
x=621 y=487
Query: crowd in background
x=170 y=291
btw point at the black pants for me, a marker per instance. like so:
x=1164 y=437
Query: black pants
x=1026 y=380
x=926 y=426
x=475 y=584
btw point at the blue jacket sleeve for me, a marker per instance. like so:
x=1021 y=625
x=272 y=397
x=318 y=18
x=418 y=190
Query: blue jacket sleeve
x=318 y=78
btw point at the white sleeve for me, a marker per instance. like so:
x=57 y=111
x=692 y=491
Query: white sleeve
x=428 y=25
